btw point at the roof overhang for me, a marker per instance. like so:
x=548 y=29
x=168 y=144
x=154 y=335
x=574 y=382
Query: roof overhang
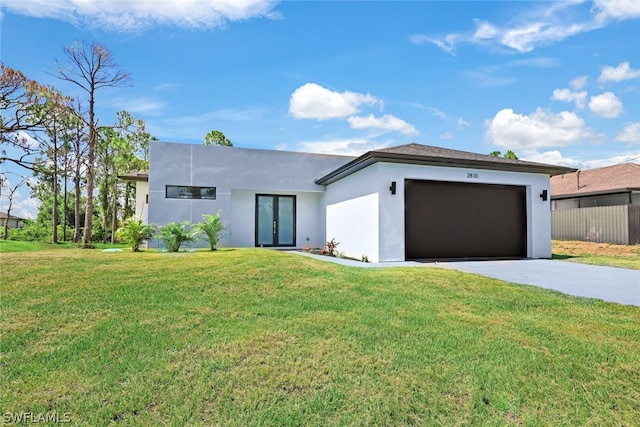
x=372 y=157
x=135 y=176
x=595 y=193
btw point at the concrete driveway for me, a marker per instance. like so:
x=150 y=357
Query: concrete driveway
x=606 y=283
x=612 y=284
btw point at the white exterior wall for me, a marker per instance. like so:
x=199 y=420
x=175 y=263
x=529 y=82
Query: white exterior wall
x=242 y=222
x=356 y=222
x=352 y=214
x=142 y=207
x=377 y=179
x=238 y=175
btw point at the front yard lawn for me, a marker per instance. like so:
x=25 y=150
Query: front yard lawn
x=261 y=337
x=607 y=254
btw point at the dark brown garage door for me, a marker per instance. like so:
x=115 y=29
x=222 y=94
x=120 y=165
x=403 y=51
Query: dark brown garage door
x=459 y=220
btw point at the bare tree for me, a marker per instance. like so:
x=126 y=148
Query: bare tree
x=90 y=68
x=12 y=192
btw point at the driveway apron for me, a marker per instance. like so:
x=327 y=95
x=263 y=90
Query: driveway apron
x=606 y=283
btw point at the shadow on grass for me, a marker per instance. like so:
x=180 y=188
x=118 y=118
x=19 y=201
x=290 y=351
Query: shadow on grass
x=557 y=256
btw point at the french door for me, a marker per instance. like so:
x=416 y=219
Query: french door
x=275 y=220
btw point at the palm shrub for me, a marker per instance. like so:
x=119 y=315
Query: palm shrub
x=135 y=232
x=211 y=229
x=173 y=235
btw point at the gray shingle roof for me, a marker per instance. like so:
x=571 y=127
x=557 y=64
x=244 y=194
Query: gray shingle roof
x=437 y=156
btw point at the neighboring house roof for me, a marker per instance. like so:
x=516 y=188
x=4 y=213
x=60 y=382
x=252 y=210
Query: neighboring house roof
x=135 y=176
x=610 y=179
x=435 y=156
x=3 y=215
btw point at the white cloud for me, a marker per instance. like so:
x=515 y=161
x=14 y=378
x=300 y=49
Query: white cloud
x=538 y=25
x=485 y=30
x=462 y=122
x=616 y=9
x=446 y=43
x=347 y=147
x=630 y=133
x=143 y=105
x=539 y=129
x=27 y=141
x=566 y=95
x=606 y=105
x=503 y=75
x=623 y=158
x=128 y=16
x=579 y=82
x=617 y=74
x=553 y=157
x=312 y=101
x=281 y=147
x=386 y=123
x=527 y=37
x=447 y=135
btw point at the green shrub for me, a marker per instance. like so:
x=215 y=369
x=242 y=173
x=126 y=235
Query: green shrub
x=134 y=232
x=31 y=231
x=173 y=235
x=211 y=229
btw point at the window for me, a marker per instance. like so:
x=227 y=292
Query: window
x=189 y=192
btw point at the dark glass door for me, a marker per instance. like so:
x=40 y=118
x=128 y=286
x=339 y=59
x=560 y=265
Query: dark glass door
x=275 y=220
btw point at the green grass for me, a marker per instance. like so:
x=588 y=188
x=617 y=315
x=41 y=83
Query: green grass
x=8 y=246
x=259 y=337
x=630 y=262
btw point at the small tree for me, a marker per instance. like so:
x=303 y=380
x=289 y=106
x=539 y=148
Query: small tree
x=508 y=155
x=215 y=137
x=134 y=232
x=173 y=235
x=211 y=229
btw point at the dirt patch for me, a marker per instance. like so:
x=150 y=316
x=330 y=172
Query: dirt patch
x=569 y=247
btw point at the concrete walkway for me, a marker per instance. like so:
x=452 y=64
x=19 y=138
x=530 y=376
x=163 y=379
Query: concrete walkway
x=591 y=281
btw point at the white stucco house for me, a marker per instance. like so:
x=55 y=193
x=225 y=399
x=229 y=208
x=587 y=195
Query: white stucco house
x=394 y=204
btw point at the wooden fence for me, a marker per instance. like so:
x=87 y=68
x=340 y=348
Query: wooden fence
x=605 y=224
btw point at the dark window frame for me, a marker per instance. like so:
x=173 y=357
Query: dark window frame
x=190 y=192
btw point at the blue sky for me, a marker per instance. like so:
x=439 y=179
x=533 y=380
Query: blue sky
x=556 y=82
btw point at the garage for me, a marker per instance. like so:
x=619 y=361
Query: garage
x=449 y=220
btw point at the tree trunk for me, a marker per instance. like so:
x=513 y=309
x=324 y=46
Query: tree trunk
x=76 y=205
x=91 y=159
x=5 y=234
x=64 y=200
x=103 y=200
x=114 y=214
x=54 y=213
